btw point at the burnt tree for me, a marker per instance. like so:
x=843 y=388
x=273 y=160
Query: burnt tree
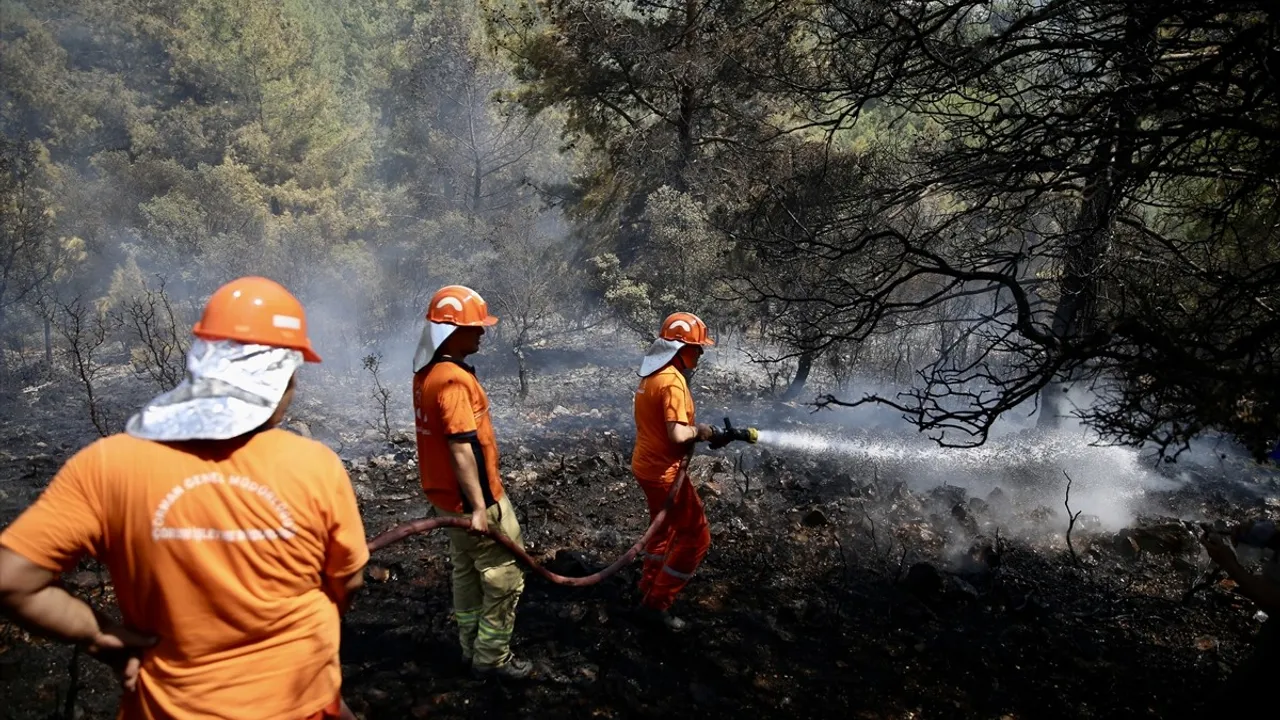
x=533 y=289
x=1094 y=179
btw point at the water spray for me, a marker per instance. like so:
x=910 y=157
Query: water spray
x=1114 y=481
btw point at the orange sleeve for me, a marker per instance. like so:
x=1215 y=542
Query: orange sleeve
x=675 y=405
x=347 y=551
x=66 y=521
x=454 y=404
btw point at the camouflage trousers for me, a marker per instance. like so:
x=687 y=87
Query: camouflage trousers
x=487 y=583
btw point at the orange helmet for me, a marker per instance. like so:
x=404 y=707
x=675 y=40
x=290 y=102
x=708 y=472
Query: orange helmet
x=256 y=311
x=686 y=328
x=459 y=305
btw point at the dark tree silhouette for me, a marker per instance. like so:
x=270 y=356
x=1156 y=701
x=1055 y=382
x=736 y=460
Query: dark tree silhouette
x=1093 y=180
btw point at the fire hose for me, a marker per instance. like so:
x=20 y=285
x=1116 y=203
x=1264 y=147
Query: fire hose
x=720 y=438
x=424 y=525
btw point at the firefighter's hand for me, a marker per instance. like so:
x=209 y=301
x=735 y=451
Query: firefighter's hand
x=479 y=521
x=121 y=648
x=704 y=432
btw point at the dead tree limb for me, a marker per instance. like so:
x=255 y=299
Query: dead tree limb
x=871 y=525
x=73 y=686
x=739 y=469
x=86 y=331
x=161 y=348
x=381 y=395
x=1071 y=521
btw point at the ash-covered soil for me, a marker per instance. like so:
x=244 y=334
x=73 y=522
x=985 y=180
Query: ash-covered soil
x=832 y=588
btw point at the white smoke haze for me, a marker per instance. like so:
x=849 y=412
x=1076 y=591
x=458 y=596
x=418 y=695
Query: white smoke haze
x=597 y=368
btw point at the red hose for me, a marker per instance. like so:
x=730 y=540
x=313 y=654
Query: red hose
x=423 y=525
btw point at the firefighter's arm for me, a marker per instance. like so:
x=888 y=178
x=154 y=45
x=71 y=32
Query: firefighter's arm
x=458 y=415
x=343 y=589
x=348 y=552
x=61 y=526
x=28 y=595
x=677 y=411
x=463 y=459
x=680 y=433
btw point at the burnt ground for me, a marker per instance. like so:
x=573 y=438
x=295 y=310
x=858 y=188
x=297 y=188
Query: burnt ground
x=829 y=590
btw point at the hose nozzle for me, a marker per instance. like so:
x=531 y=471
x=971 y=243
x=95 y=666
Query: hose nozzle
x=729 y=433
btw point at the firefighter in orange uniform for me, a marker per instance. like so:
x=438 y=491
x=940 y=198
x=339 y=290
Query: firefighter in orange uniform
x=233 y=546
x=665 y=430
x=458 y=463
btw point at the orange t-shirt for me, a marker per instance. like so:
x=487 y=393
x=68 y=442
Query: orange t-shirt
x=449 y=405
x=220 y=550
x=661 y=398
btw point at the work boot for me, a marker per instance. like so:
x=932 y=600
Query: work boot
x=664 y=618
x=513 y=669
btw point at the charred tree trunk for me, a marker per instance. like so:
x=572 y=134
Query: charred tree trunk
x=685 y=116
x=1077 y=306
x=1113 y=165
x=803 y=365
x=522 y=369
